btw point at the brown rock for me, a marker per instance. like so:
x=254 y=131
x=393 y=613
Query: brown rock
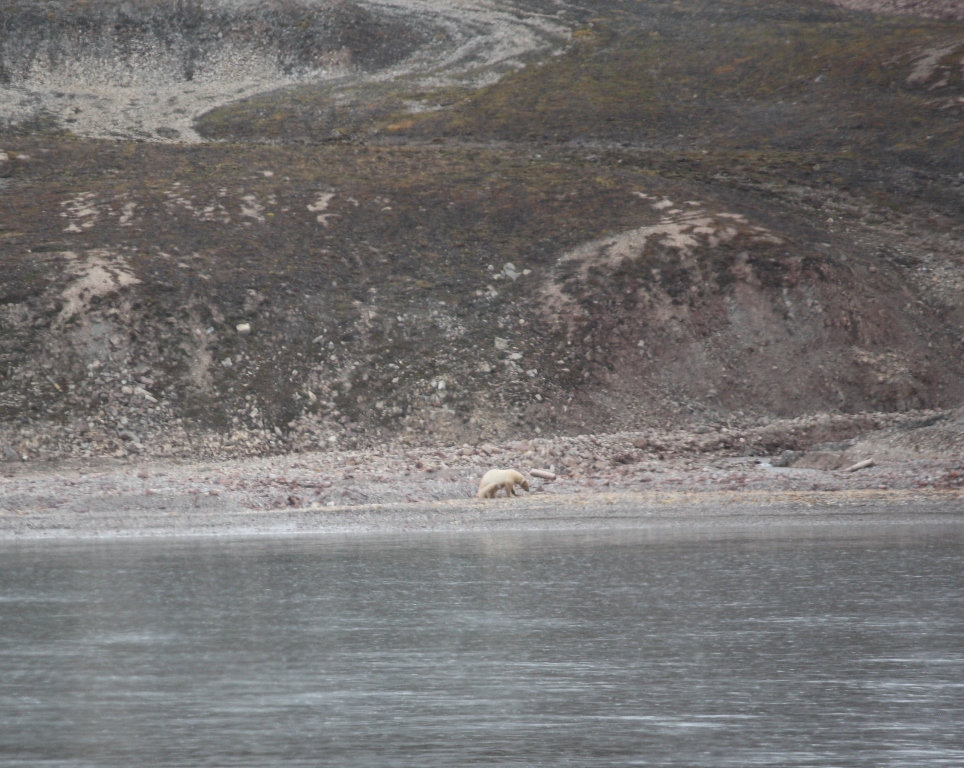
x=825 y=460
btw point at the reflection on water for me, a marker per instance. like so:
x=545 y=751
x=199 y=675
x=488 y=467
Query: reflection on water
x=501 y=649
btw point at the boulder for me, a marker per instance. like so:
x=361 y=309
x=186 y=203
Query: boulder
x=825 y=460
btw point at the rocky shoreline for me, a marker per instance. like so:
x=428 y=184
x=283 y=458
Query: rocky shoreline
x=908 y=459
x=737 y=264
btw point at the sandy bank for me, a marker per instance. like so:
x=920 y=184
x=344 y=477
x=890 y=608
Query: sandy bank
x=817 y=512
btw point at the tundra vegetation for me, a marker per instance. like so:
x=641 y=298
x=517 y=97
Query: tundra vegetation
x=650 y=215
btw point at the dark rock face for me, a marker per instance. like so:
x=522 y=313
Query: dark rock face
x=171 y=42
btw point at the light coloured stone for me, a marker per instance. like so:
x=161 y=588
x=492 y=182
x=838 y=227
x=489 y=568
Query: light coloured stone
x=141 y=392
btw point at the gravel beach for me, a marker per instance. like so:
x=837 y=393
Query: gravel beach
x=816 y=513
x=908 y=471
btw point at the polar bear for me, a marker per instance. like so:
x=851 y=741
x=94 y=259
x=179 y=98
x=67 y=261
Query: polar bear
x=495 y=479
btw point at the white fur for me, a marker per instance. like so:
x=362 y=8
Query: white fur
x=495 y=479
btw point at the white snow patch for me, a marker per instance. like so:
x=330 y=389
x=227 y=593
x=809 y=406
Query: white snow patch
x=926 y=62
x=251 y=208
x=127 y=213
x=680 y=231
x=97 y=273
x=321 y=204
x=80 y=211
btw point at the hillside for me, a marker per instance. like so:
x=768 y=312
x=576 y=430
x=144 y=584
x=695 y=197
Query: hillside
x=654 y=215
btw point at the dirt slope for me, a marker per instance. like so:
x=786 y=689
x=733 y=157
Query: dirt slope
x=699 y=213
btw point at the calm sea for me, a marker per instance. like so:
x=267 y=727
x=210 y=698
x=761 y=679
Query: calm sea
x=499 y=649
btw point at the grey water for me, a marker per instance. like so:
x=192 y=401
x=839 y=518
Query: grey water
x=505 y=649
